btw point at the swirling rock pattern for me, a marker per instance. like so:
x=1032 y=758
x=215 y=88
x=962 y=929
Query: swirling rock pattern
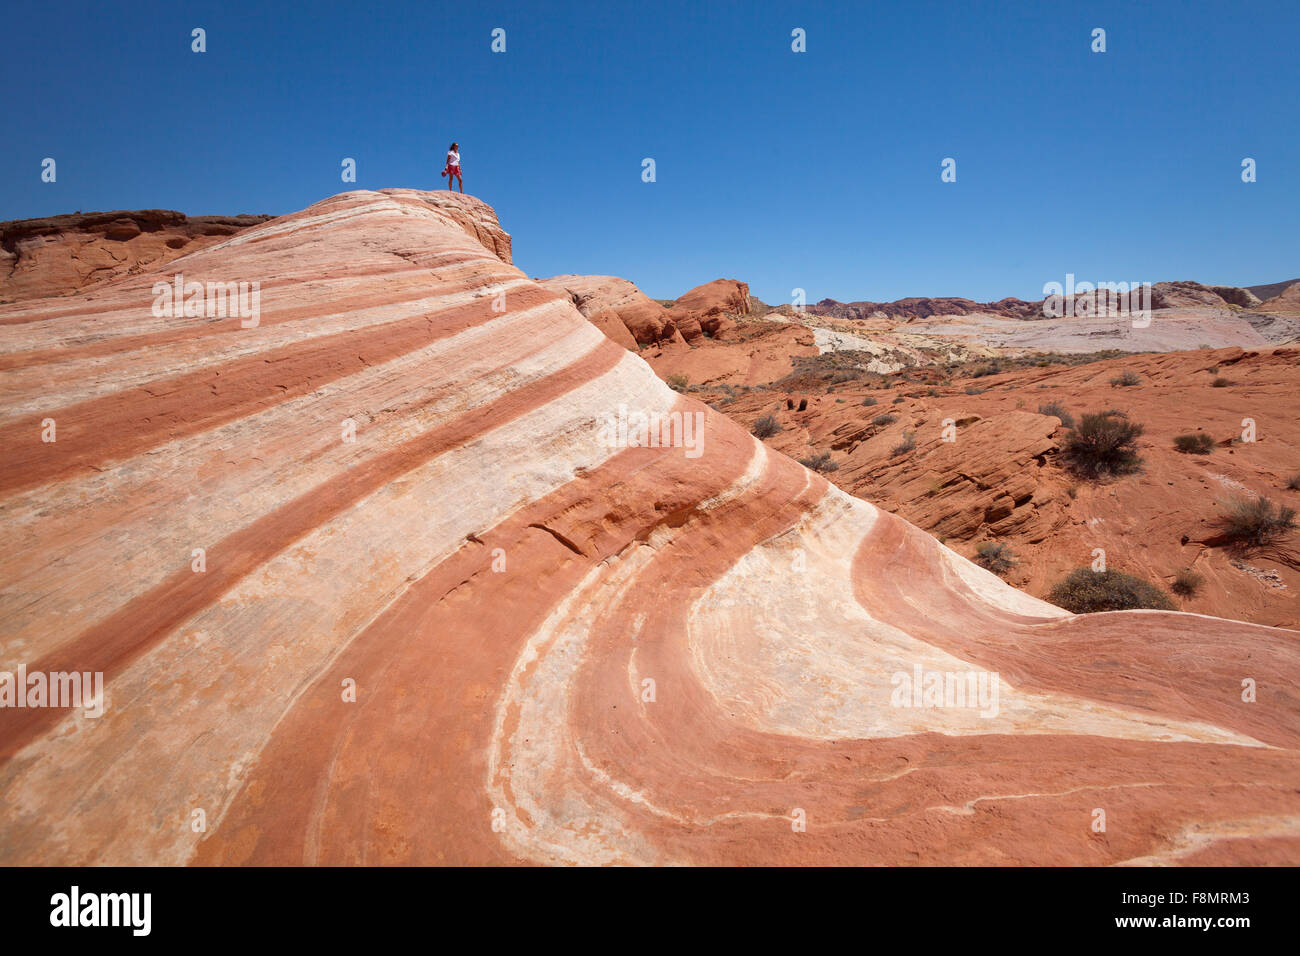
x=478 y=631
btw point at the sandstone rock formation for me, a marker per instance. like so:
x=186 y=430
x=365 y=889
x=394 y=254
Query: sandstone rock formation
x=369 y=584
x=1001 y=478
x=617 y=308
x=64 y=254
x=710 y=309
x=1287 y=301
x=1272 y=289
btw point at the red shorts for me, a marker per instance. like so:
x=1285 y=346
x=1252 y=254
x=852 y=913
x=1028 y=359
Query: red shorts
x=452 y=171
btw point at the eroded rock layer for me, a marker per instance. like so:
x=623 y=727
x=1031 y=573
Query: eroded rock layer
x=374 y=579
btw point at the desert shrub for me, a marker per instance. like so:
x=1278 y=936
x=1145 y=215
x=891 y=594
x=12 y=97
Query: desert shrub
x=848 y=375
x=931 y=393
x=981 y=371
x=1104 y=443
x=1256 y=521
x=869 y=401
x=906 y=445
x=994 y=556
x=1126 y=378
x=1057 y=409
x=1197 y=443
x=897 y=401
x=820 y=462
x=1294 y=482
x=766 y=427
x=678 y=383
x=1220 y=383
x=883 y=420
x=972 y=390
x=1085 y=591
x=1186 y=583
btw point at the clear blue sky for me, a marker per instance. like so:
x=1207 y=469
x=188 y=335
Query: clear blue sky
x=817 y=170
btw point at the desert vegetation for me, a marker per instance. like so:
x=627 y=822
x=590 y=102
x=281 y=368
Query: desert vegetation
x=903 y=447
x=1196 y=443
x=1186 y=583
x=766 y=427
x=678 y=383
x=994 y=556
x=1085 y=591
x=1103 y=444
x=1126 y=379
x=1254 y=522
x=819 y=462
x=1059 y=410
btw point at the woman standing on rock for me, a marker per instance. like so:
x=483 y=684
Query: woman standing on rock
x=452 y=169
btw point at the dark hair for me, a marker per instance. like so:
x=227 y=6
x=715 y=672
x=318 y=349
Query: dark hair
x=453 y=145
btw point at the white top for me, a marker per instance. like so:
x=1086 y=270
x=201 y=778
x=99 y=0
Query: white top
x=453 y=158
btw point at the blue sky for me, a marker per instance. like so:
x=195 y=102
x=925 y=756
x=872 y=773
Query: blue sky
x=816 y=170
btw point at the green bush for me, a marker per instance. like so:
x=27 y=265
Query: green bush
x=1257 y=521
x=1126 y=378
x=1085 y=591
x=869 y=401
x=994 y=556
x=906 y=445
x=820 y=462
x=1186 y=583
x=1197 y=443
x=1104 y=443
x=883 y=420
x=766 y=427
x=1057 y=409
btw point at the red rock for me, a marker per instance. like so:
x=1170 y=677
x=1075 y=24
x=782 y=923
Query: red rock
x=1286 y=302
x=604 y=298
x=441 y=621
x=705 y=310
x=64 y=254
